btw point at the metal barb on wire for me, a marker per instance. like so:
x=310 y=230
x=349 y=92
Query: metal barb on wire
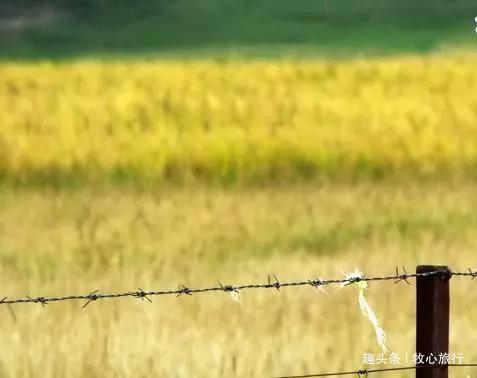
x=277 y=285
x=183 y=290
x=41 y=300
x=271 y=284
x=91 y=297
x=472 y=274
x=141 y=294
x=316 y=283
x=403 y=276
x=228 y=288
x=353 y=280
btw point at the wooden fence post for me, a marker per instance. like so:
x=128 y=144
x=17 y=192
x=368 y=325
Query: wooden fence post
x=432 y=319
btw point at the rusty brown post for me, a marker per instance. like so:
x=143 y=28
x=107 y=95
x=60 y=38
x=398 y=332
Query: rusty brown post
x=432 y=319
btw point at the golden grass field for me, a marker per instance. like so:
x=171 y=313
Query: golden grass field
x=238 y=121
x=55 y=243
x=315 y=135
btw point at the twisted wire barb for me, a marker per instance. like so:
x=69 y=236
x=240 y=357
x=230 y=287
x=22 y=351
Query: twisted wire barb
x=365 y=373
x=399 y=276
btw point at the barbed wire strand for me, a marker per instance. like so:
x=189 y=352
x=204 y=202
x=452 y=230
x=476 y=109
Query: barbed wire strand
x=364 y=373
x=399 y=276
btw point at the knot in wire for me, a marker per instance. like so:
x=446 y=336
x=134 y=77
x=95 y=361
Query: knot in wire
x=362 y=373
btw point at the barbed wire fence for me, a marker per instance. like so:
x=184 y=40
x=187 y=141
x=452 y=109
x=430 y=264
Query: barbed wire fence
x=365 y=373
x=400 y=275
x=272 y=283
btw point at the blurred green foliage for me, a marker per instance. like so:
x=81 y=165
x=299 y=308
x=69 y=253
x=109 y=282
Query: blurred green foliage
x=238 y=27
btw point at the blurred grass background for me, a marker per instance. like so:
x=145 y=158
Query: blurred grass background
x=242 y=123
x=152 y=145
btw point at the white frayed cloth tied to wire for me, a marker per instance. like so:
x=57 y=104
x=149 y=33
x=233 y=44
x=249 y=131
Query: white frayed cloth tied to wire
x=235 y=296
x=356 y=277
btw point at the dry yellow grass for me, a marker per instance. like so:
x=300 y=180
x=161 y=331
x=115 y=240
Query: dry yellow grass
x=238 y=121
x=54 y=243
